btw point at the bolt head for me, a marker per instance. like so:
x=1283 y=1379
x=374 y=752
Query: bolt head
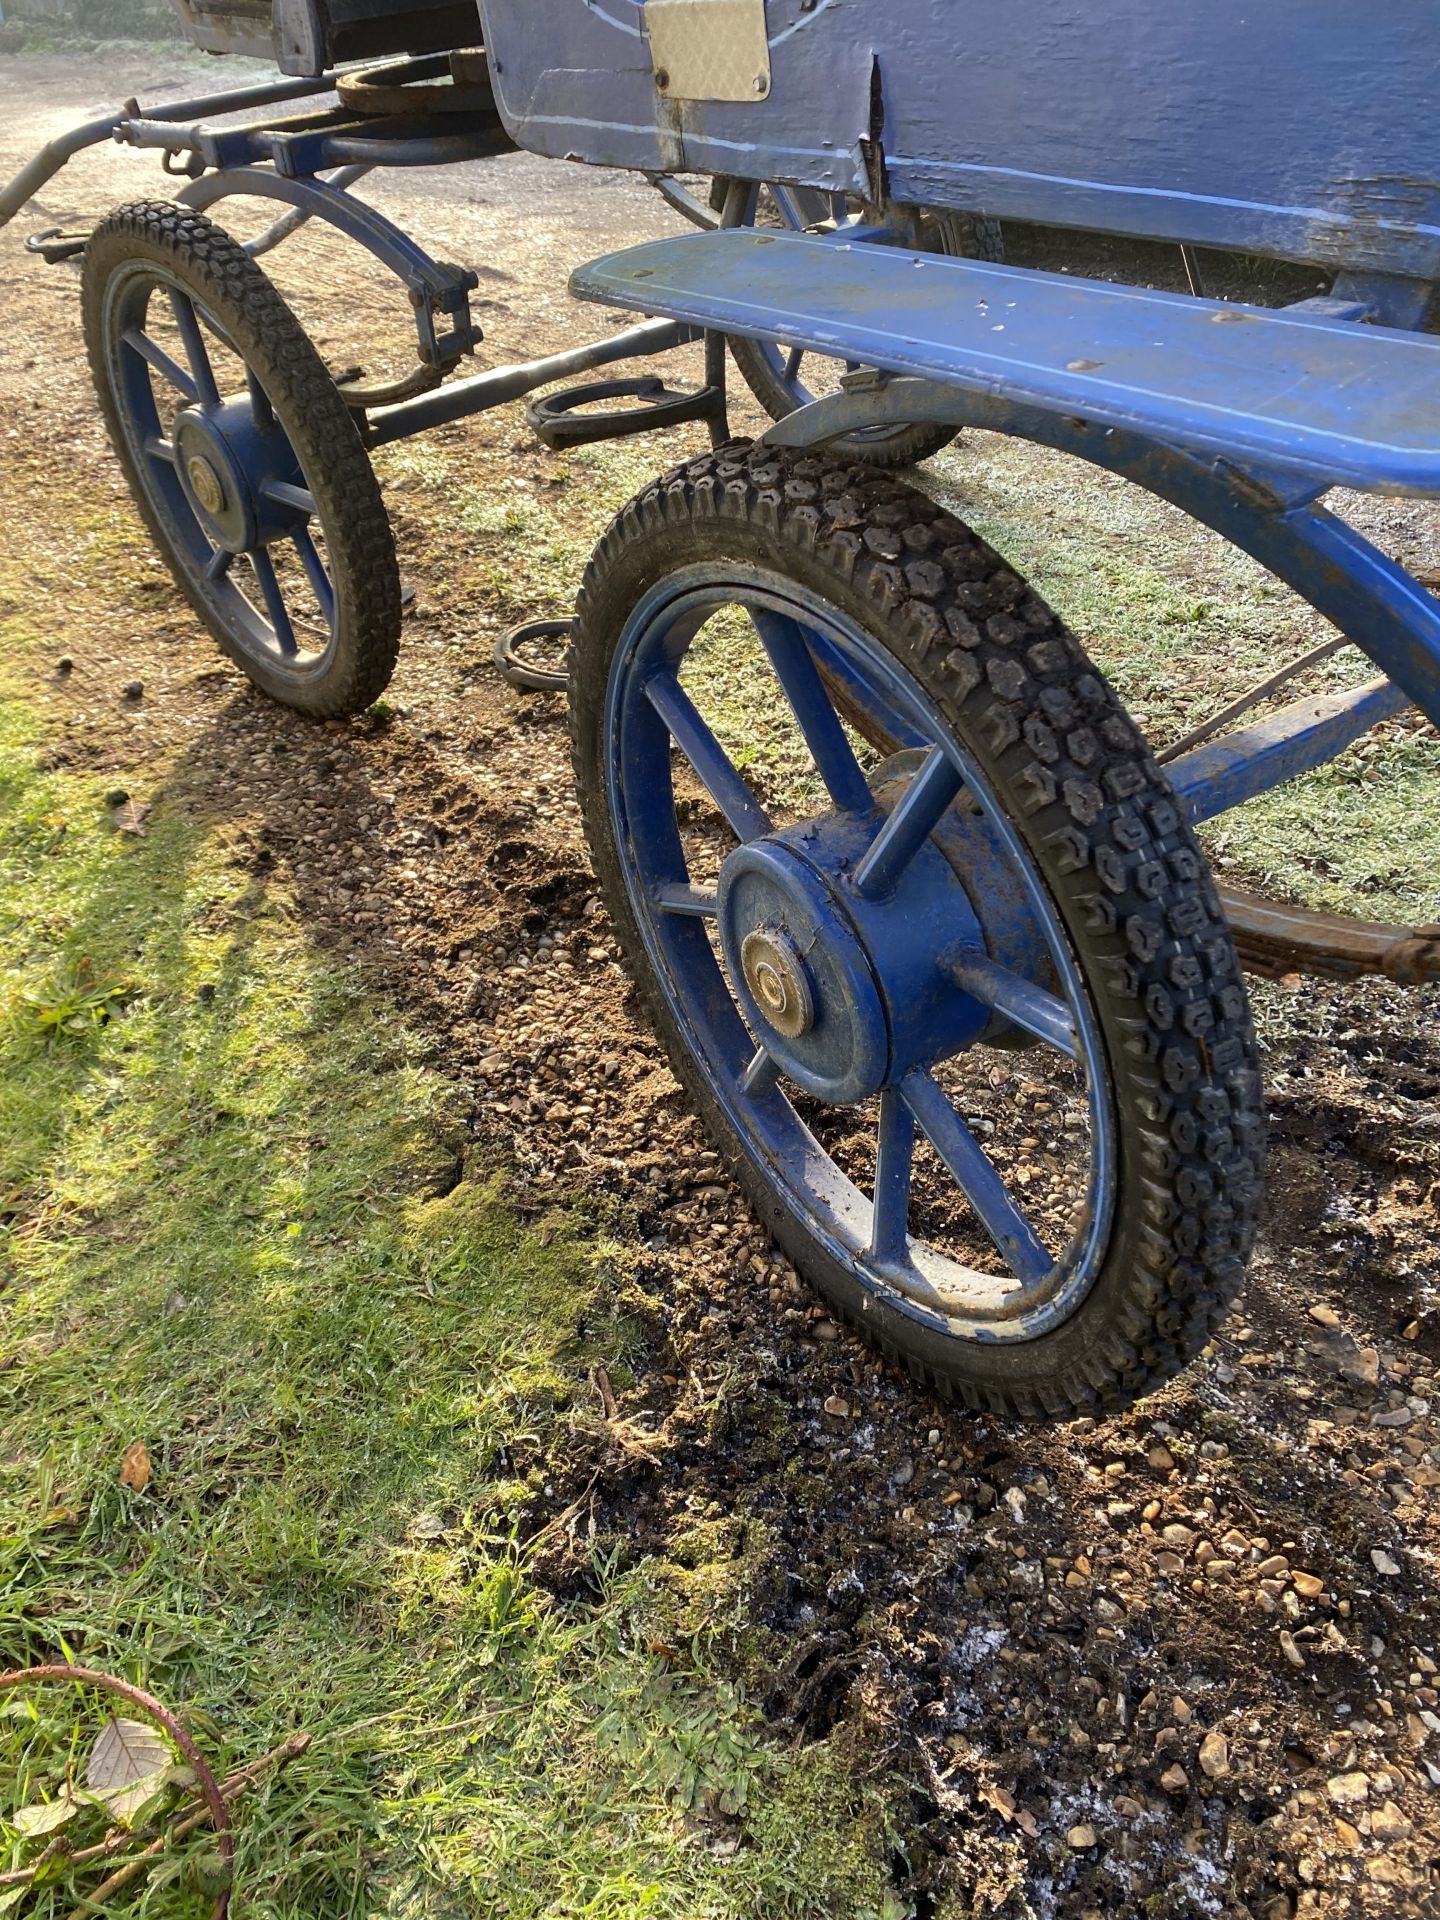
x=205 y=483
x=776 y=976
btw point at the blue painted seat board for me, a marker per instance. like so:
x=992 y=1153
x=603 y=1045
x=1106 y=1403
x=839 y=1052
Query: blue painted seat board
x=1357 y=406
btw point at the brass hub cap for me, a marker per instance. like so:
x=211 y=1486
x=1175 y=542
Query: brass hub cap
x=205 y=483
x=775 y=974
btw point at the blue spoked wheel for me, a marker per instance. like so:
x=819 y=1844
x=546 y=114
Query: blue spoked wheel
x=244 y=461
x=925 y=932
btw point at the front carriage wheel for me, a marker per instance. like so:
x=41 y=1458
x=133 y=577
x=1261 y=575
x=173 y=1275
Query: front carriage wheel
x=961 y=1007
x=244 y=461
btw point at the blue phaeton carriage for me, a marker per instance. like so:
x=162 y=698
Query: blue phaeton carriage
x=963 y=1005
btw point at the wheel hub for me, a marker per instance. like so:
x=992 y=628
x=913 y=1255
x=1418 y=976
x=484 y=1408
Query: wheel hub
x=845 y=994
x=226 y=463
x=205 y=483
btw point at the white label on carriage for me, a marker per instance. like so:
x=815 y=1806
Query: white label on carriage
x=709 y=49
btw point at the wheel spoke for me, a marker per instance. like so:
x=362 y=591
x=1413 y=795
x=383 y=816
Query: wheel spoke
x=894 y=1155
x=784 y=640
x=286 y=495
x=161 y=449
x=977 y=1178
x=705 y=754
x=219 y=564
x=160 y=362
x=188 y=323
x=792 y=365
x=909 y=826
x=675 y=897
x=320 y=583
x=1039 y=1012
x=274 y=599
x=260 y=407
x=761 y=1076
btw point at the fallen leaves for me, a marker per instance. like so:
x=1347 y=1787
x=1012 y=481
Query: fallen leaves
x=129 y=1770
x=130 y=817
x=1010 y=1811
x=31 y=1822
x=135 y=1467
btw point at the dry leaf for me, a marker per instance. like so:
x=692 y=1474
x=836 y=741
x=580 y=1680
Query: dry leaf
x=1002 y=1802
x=129 y=1765
x=135 y=1466
x=125 y=1751
x=45 y=1819
x=130 y=817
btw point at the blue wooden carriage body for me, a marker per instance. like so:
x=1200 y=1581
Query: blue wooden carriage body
x=1307 y=129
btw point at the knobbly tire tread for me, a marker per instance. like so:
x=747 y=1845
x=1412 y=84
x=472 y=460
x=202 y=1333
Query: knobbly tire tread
x=1104 y=828
x=360 y=545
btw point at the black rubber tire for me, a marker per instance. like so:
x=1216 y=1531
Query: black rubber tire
x=355 y=668
x=1106 y=833
x=965 y=235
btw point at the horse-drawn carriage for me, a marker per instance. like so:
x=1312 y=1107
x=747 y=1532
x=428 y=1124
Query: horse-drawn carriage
x=963 y=1005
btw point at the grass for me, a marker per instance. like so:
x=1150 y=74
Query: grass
x=233 y=1232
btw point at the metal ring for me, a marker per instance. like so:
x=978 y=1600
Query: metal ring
x=518 y=671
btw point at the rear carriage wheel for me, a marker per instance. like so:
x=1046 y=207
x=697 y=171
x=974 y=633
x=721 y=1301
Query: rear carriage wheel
x=244 y=461
x=965 y=1016
x=785 y=378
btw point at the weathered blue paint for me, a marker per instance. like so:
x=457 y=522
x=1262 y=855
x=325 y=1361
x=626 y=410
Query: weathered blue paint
x=1300 y=737
x=93 y=133
x=1303 y=128
x=224 y=480
x=895 y=979
x=1355 y=406
x=439 y=293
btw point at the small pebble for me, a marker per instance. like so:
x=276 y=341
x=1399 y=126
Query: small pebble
x=1215 y=1756
x=1389 y=1823
x=132 y=689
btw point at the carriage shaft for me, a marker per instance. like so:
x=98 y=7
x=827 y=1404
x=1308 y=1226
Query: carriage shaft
x=52 y=157
x=1300 y=737
x=499 y=385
